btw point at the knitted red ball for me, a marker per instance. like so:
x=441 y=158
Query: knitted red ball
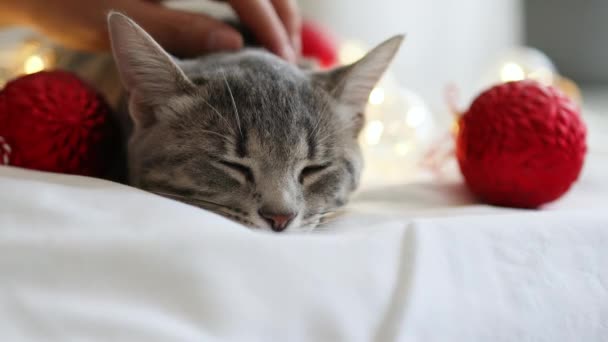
x=521 y=144
x=53 y=121
x=319 y=44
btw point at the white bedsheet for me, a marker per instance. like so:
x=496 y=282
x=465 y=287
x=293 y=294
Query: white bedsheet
x=87 y=260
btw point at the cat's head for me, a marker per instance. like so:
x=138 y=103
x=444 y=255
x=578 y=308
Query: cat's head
x=245 y=134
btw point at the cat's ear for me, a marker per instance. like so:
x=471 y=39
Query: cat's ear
x=145 y=69
x=351 y=85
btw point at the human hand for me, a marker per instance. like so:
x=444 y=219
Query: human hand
x=82 y=24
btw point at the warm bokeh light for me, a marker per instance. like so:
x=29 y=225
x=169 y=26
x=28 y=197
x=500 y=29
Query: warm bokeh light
x=512 y=72
x=543 y=75
x=455 y=127
x=33 y=63
x=373 y=132
x=376 y=97
x=402 y=148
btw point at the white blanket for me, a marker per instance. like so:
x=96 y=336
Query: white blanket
x=87 y=260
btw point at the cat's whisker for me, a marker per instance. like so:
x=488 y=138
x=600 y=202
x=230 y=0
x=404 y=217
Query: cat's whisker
x=224 y=211
x=166 y=194
x=223 y=137
x=231 y=215
x=322 y=228
x=333 y=134
x=236 y=111
x=319 y=220
x=188 y=198
x=207 y=205
x=217 y=112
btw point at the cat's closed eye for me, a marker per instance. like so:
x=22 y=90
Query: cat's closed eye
x=311 y=170
x=245 y=171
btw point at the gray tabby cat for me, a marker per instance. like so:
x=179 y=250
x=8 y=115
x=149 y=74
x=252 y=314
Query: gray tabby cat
x=245 y=135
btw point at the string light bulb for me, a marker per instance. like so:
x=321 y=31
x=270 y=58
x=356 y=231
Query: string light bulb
x=523 y=63
x=373 y=132
x=399 y=125
x=512 y=71
x=25 y=56
x=518 y=64
x=33 y=64
x=376 y=97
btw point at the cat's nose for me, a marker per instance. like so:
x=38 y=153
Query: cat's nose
x=278 y=221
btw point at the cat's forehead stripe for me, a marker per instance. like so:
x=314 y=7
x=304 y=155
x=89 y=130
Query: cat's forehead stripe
x=198 y=80
x=241 y=144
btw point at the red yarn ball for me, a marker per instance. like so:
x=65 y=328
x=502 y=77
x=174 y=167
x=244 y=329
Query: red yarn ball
x=521 y=144
x=53 y=121
x=318 y=43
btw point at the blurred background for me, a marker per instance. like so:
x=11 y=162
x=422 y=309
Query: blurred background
x=455 y=41
x=458 y=42
x=465 y=46
x=462 y=41
x=453 y=51
x=447 y=41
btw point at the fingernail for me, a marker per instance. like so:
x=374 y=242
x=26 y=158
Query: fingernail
x=288 y=53
x=224 y=40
